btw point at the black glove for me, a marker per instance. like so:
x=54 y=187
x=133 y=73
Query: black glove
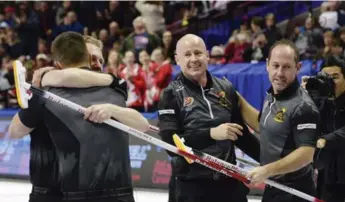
x=119 y=85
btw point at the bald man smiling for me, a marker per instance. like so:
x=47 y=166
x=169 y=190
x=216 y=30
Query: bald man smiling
x=204 y=110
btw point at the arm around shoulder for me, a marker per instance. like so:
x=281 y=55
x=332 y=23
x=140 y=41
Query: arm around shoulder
x=249 y=114
x=247 y=142
x=76 y=78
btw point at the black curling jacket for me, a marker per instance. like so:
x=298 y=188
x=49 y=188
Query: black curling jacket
x=190 y=110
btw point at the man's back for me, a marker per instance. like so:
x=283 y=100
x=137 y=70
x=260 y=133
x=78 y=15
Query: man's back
x=91 y=156
x=43 y=159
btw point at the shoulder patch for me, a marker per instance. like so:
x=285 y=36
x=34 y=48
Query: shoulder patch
x=306 y=126
x=223 y=100
x=166 y=111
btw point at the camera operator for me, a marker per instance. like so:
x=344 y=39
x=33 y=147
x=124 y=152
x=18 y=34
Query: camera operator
x=330 y=157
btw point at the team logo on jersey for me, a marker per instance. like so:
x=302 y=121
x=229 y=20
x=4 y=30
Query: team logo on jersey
x=221 y=94
x=280 y=115
x=223 y=100
x=188 y=101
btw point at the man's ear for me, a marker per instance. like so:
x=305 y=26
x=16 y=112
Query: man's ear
x=176 y=59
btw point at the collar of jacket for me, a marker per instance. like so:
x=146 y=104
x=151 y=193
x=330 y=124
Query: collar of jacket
x=287 y=92
x=195 y=85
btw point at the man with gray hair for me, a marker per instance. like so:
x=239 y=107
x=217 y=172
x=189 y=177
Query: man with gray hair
x=140 y=39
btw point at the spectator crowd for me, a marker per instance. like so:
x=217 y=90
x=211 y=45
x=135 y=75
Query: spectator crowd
x=318 y=37
x=137 y=45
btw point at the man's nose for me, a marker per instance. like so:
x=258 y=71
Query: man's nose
x=280 y=71
x=193 y=58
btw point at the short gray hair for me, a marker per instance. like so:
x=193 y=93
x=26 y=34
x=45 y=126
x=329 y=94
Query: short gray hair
x=138 y=19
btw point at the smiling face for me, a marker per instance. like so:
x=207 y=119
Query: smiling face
x=328 y=38
x=167 y=37
x=129 y=58
x=157 y=55
x=282 y=67
x=144 y=58
x=192 y=56
x=96 y=56
x=113 y=57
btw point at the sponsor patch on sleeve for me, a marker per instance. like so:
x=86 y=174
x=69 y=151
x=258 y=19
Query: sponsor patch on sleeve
x=166 y=111
x=306 y=126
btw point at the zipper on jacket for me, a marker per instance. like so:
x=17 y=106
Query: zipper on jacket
x=274 y=100
x=208 y=103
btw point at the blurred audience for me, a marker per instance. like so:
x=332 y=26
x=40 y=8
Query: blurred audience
x=114 y=62
x=258 y=51
x=151 y=92
x=61 y=12
x=217 y=56
x=118 y=28
x=256 y=26
x=308 y=39
x=133 y=73
x=140 y=39
x=272 y=33
x=237 y=45
x=328 y=40
x=152 y=13
x=70 y=23
x=168 y=45
x=136 y=45
x=329 y=17
x=162 y=73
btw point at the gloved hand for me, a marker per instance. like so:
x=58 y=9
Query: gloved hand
x=119 y=85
